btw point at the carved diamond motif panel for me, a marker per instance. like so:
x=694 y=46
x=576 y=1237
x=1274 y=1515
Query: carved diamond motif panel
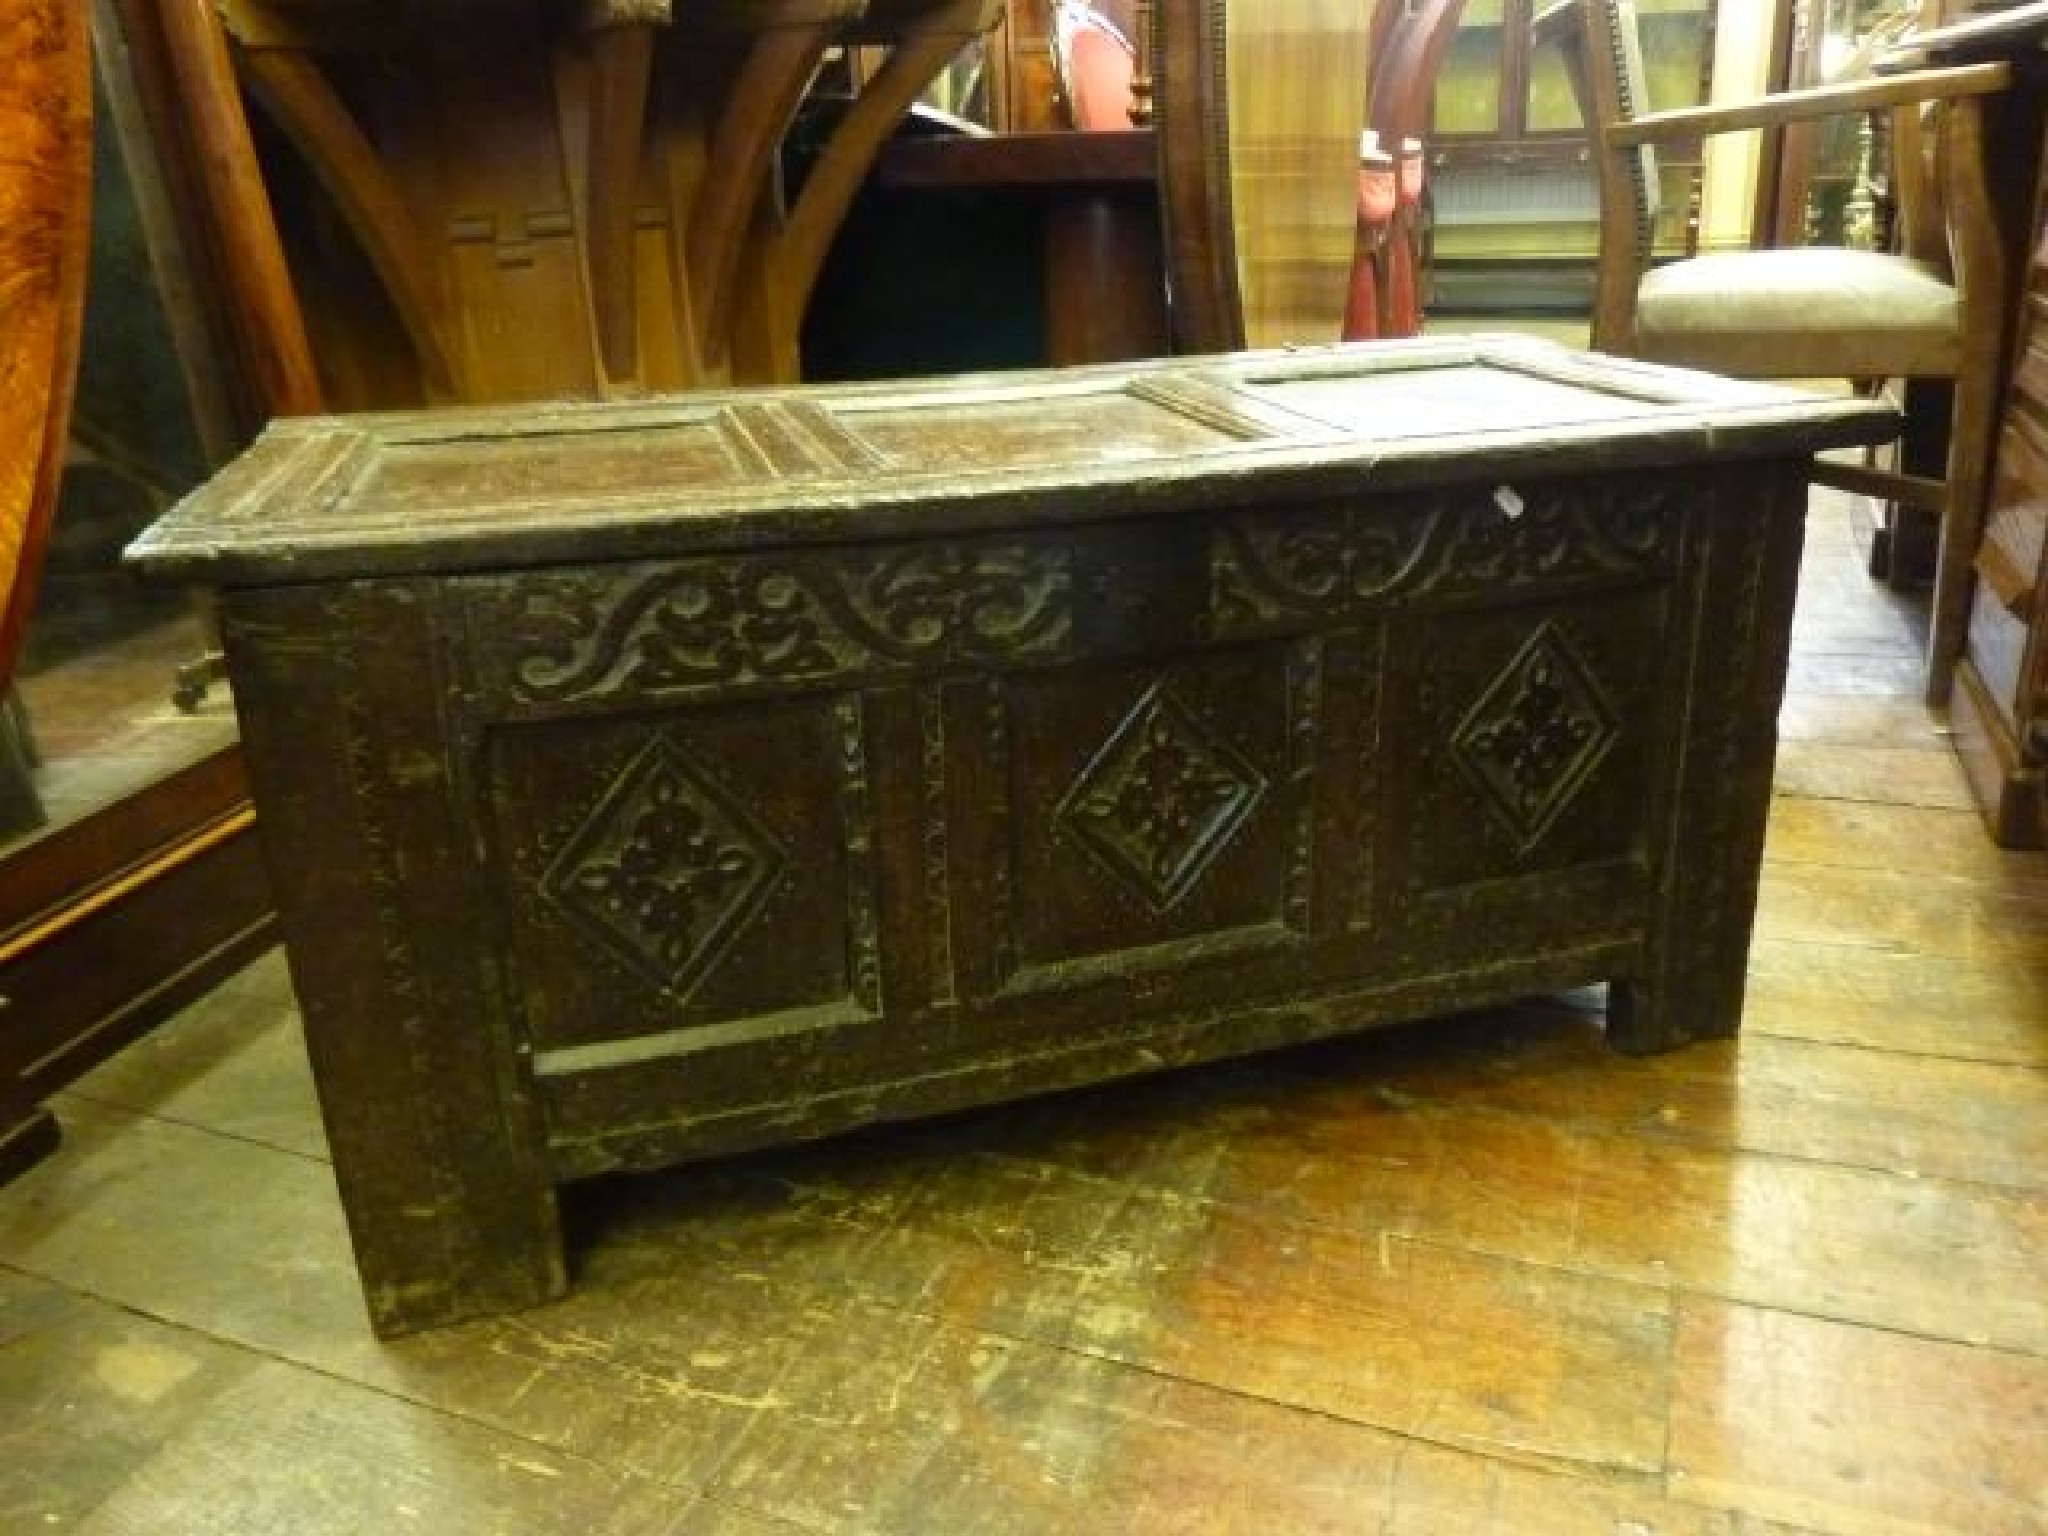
x=666 y=870
x=1535 y=736
x=1160 y=799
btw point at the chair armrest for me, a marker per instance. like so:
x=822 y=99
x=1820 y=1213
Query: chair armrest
x=1806 y=106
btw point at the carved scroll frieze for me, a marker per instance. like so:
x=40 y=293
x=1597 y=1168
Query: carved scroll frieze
x=1345 y=561
x=656 y=629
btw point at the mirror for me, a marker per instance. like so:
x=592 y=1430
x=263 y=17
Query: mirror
x=44 y=214
x=112 y=684
x=130 y=880
x=1260 y=104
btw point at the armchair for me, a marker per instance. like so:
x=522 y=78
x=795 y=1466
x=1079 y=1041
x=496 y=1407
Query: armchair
x=1935 y=309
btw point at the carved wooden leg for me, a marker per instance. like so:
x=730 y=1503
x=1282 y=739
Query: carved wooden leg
x=1644 y=1019
x=1737 y=636
x=437 y=1147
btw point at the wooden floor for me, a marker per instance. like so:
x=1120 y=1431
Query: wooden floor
x=1474 y=1277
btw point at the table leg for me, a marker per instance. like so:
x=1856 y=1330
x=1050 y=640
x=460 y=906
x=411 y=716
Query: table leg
x=1737 y=636
x=1105 y=284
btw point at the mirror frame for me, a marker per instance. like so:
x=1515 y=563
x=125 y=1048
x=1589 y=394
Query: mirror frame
x=1191 y=95
x=1245 y=273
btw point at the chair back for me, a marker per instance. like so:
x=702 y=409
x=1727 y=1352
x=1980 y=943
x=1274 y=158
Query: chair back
x=1095 y=63
x=1411 y=39
x=1602 y=48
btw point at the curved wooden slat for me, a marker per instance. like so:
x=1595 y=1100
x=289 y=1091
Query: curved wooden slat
x=291 y=88
x=271 y=329
x=926 y=43
x=621 y=67
x=45 y=223
x=765 y=94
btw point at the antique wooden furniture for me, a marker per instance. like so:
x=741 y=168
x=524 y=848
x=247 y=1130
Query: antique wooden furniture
x=1506 y=104
x=1515 y=215
x=45 y=196
x=1086 y=196
x=45 y=228
x=1815 y=176
x=1096 y=195
x=143 y=885
x=1999 y=706
x=1937 y=310
x=655 y=781
x=508 y=200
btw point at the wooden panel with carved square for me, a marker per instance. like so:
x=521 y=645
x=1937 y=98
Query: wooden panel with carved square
x=1153 y=813
x=678 y=872
x=1533 y=728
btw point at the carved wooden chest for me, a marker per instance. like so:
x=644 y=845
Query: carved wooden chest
x=648 y=782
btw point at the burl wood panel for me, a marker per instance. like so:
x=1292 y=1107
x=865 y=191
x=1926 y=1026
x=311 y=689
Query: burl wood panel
x=45 y=196
x=645 y=783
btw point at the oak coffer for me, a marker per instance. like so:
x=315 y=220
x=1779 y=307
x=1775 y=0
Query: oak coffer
x=648 y=781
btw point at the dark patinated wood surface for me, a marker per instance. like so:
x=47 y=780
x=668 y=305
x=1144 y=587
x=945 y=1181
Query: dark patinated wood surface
x=1467 y=1278
x=645 y=783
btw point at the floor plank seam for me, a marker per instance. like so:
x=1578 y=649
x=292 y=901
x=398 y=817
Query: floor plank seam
x=1594 y=1129
x=1613 y=1473
x=1767 y=1031
x=157 y=1117
x=1978 y=1345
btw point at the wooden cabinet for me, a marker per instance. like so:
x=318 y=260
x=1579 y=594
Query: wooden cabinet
x=657 y=781
x=2000 y=703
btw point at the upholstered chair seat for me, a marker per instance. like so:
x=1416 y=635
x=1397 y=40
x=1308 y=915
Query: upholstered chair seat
x=1763 y=314
x=1812 y=312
